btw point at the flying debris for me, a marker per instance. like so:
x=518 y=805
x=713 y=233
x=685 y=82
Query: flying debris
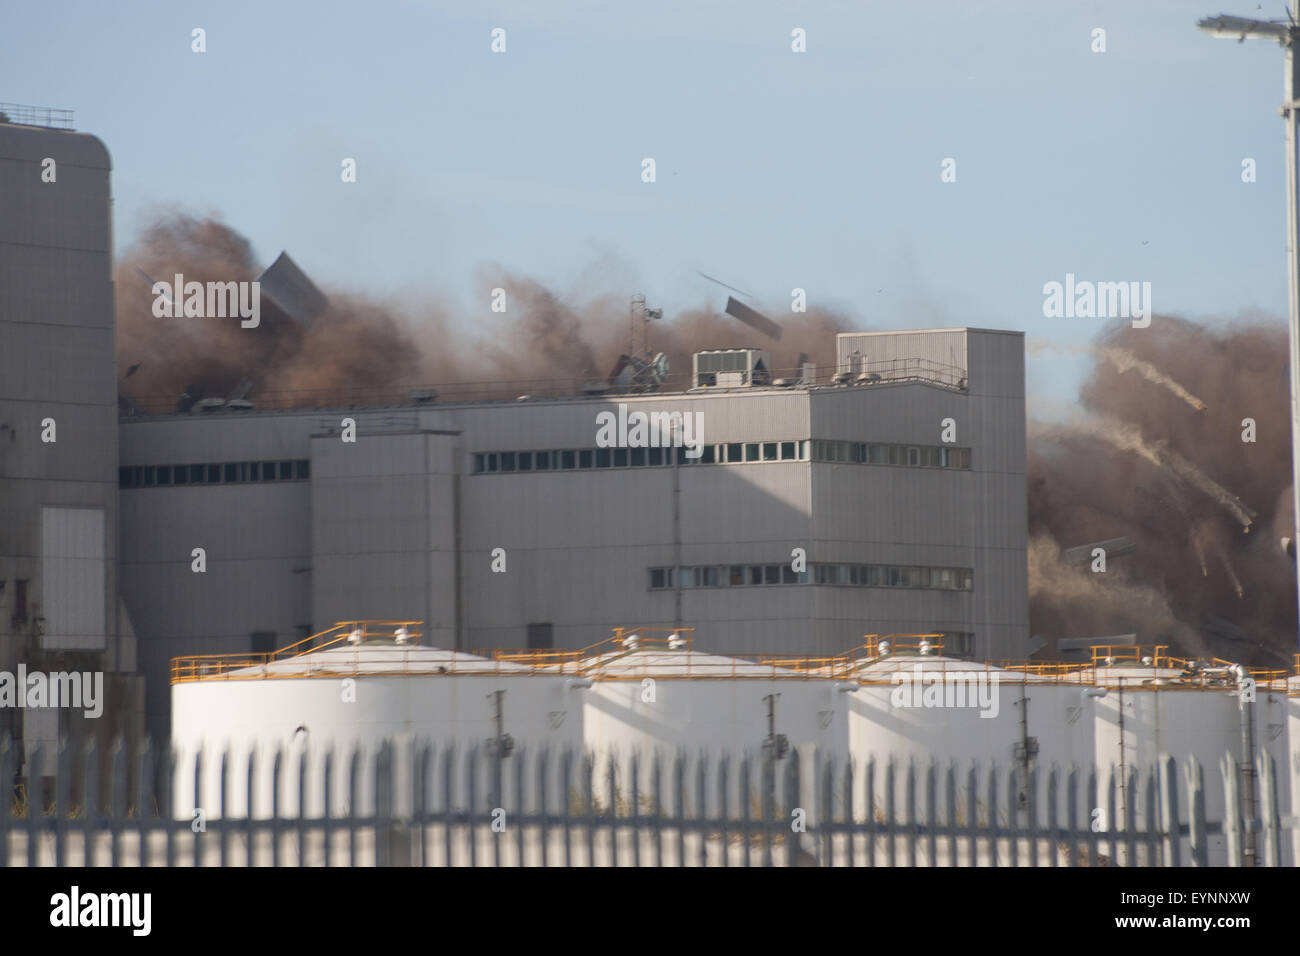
x=755 y=320
x=293 y=293
x=724 y=285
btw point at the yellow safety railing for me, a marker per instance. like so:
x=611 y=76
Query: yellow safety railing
x=218 y=666
x=612 y=660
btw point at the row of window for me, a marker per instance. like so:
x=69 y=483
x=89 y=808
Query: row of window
x=846 y=575
x=580 y=458
x=225 y=473
x=873 y=453
x=893 y=576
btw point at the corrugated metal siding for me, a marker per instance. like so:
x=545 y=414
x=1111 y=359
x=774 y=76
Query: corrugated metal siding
x=73 y=583
x=945 y=346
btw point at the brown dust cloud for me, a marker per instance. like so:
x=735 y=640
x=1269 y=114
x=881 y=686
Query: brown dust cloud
x=1153 y=452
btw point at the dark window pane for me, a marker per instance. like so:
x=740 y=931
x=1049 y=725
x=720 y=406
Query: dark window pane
x=164 y=475
x=480 y=464
x=620 y=457
x=125 y=477
x=656 y=456
x=507 y=461
x=303 y=469
x=787 y=451
x=772 y=574
x=734 y=452
x=789 y=575
x=286 y=470
x=585 y=458
x=525 y=461
x=197 y=473
x=214 y=474
x=751 y=451
x=769 y=451
x=755 y=574
x=181 y=475
x=543 y=460
x=736 y=578
x=656 y=577
x=709 y=455
x=493 y=462
x=603 y=458
x=569 y=459
x=268 y=470
x=230 y=471
x=638 y=457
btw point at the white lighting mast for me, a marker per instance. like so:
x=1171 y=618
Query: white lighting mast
x=1286 y=33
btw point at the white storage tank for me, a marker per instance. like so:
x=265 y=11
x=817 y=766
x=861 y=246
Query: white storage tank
x=360 y=688
x=652 y=693
x=1157 y=706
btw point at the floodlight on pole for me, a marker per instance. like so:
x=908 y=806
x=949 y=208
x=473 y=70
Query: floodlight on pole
x=1287 y=33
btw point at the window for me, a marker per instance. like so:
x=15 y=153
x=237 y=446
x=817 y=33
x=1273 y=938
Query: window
x=687 y=578
x=656 y=456
x=303 y=469
x=569 y=459
x=755 y=574
x=709 y=456
x=262 y=642
x=789 y=575
x=914 y=456
x=181 y=474
x=20 y=601
x=214 y=474
x=126 y=477
x=637 y=457
x=525 y=461
x=707 y=577
x=543 y=459
x=507 y=461
x=734 y=452
x=737 y=576
x=772 y=574
x=585 y=458
x=603 y=458
x=620 y=457
x=751 y=451
x=286 y=469
x=661 y=578
x=541 y=636
x=930 y=457
x=769 y=451
x=269 y=469
x=149 y=475
x=787 y=451
x=197 y=473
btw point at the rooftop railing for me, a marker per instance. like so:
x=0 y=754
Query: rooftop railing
x=21 y=115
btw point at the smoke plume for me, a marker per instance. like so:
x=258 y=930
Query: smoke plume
x=1172 y=471
x=1156 y=453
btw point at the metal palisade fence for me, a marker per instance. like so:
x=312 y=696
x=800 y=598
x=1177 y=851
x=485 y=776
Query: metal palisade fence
x=415 y=803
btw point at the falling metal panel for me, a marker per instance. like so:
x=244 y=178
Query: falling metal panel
x=293 y=293
x=73 y=572
x=755 y=320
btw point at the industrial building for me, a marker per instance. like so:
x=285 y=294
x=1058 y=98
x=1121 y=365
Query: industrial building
x=777 y=515
x=807 y=513
x=59 y=605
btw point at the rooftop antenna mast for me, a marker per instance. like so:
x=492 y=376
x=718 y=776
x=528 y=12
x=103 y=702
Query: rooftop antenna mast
x=639 y=319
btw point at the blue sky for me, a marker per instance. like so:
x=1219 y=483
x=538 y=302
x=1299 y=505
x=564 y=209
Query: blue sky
x=775 y=170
